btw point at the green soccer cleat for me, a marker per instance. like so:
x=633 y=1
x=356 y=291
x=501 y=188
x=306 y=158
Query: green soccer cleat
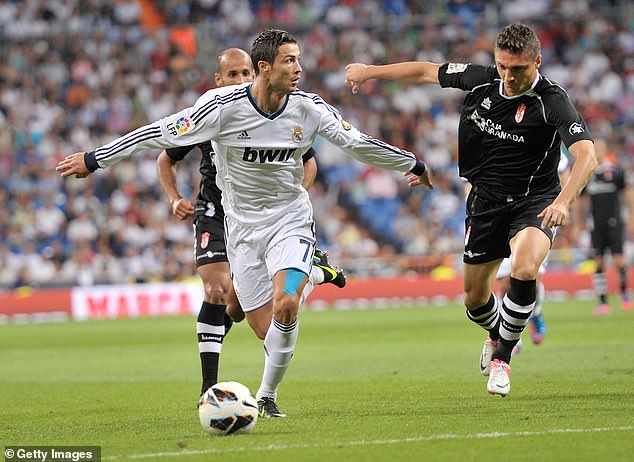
x=332 y=275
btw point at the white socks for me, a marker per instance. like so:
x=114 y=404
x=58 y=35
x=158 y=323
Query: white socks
x=279 y=345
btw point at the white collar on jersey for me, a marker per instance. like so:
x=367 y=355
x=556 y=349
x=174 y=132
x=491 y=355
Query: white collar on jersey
x=501 y=89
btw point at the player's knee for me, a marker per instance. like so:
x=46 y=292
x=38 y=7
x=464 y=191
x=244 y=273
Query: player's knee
x=475 y=298
x=215 y=293
x=526 y=272
x=285 y=308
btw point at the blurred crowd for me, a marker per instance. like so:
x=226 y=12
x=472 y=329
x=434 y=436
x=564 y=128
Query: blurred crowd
x=75 y=74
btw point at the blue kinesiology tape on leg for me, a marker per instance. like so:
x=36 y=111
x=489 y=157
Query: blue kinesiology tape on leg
x=294 y=278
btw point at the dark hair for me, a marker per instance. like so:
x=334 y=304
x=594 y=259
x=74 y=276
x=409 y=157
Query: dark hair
x=518 y=38
x=267 y=45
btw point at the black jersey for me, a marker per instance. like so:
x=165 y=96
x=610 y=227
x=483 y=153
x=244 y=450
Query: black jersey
x=604 y=188
x=208 y=201
x=209 y=196
x=509 y=146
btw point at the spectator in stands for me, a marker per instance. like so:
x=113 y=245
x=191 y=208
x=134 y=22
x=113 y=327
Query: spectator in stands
x=88 y=72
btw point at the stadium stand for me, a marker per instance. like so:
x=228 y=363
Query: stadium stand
x=76 y=74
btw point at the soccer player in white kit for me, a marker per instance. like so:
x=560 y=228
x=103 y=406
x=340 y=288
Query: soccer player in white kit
x=259 y=133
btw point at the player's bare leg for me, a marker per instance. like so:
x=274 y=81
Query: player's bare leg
x=621 y=268
x=529 y=248
x=234 y=309
x=601 y=287
x=483 y=306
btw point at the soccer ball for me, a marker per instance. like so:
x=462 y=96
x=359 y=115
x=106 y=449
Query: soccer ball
x=228 y=407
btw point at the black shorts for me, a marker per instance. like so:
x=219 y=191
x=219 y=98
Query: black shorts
x=490 y=225
x=210 y=244
x=607 y=237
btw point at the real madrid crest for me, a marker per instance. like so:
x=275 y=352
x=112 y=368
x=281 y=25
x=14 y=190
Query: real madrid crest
x=298 y=134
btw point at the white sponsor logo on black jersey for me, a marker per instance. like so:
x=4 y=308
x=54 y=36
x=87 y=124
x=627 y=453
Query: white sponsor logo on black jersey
x=486 y=103
x=575 y=128
x=471 y=254
x=494 y=128
x=456 y=68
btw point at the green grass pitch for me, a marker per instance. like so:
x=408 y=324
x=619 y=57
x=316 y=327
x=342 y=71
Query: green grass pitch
x=365 y=385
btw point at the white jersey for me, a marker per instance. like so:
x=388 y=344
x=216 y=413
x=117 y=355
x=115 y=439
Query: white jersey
x=258 y=155
x=563 y=164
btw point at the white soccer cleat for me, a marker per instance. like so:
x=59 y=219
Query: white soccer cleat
x=487 y=354
x=500 y=378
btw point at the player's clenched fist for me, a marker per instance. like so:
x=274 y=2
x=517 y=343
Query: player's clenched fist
x=355 y=76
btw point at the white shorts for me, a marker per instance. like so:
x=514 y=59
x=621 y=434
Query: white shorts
x=257 y=253
x=505 y=268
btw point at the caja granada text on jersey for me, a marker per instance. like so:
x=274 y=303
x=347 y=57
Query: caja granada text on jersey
x=495 y=129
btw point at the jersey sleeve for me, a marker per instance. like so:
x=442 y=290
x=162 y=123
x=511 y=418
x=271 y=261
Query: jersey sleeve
x=359 y=145
x=188 y=127
x=562 y=114
x=178 y=154
x=465 y=76
x=308 y=155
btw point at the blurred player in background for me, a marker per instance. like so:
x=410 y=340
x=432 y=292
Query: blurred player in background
x=606 y=193
x=213 y=323
x=259 y=133
x=512 y=123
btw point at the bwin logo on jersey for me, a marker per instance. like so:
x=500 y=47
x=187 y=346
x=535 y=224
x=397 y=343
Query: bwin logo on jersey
x=267 y=155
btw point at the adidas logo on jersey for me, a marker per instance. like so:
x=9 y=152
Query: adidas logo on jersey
x=244 y=136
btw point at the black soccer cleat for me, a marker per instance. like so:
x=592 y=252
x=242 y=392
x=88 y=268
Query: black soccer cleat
x=267 y=408
x=332 y=275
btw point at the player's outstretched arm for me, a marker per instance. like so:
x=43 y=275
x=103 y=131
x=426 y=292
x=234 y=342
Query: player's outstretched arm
x=73 y=164
x=192 y=125
x=408 y=72
x=166 y=168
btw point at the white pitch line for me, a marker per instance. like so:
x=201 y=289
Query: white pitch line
x=416 y=439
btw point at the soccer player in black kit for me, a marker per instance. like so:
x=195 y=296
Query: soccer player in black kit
x=607 y=192
x=512 y=122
